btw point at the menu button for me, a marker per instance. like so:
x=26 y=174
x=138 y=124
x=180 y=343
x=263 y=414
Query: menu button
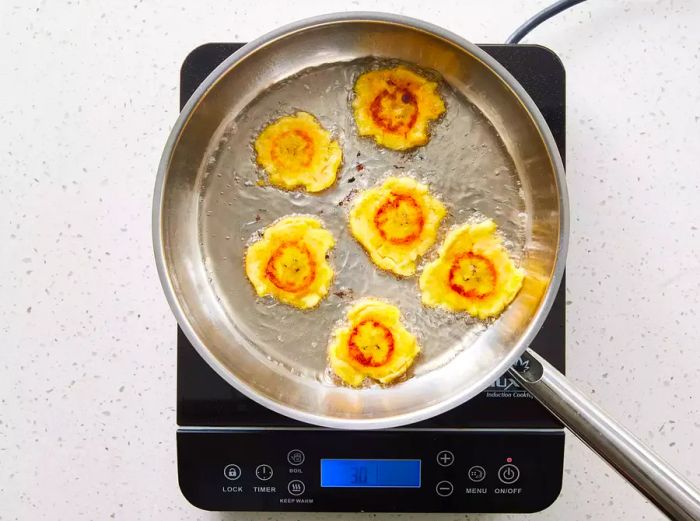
x=477 y=474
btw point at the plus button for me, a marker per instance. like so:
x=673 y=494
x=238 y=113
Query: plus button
x=445 y=458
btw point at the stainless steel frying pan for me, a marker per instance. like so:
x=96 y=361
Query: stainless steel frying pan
x=492 y=154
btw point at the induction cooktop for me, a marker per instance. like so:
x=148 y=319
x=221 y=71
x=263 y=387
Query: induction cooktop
x=499 y=452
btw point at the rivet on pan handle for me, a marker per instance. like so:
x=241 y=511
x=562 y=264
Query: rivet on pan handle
x=652 y=476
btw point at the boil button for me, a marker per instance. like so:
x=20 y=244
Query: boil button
x=295 y=457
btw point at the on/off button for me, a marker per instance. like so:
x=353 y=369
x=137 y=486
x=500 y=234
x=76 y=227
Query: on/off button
x=508 y=474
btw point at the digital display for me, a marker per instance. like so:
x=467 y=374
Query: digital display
x=370 y=473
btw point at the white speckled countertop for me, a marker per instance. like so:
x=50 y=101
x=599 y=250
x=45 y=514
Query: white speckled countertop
x=87 y=365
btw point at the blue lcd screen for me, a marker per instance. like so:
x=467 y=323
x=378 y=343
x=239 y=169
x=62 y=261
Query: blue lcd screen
x=370 y=473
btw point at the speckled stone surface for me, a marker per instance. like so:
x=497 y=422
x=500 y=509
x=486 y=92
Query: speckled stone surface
x=87 y=365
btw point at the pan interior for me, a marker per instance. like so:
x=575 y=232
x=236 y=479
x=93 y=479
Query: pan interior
x=487 y=158
x=466 y=164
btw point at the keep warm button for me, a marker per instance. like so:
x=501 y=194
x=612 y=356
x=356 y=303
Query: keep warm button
x=296 y=487
x=508 y=474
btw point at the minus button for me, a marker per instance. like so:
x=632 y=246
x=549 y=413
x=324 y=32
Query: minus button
x=444 y=488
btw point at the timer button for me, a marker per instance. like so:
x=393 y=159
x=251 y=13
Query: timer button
x=444 y=488
x=295 y=457
x=263 y=472
x=508 y=474
x=445 y=458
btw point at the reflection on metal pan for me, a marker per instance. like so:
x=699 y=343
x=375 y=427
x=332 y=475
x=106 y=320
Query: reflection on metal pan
x=490 y=154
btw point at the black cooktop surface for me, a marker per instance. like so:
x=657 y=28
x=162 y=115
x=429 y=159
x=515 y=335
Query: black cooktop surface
x=205 y=399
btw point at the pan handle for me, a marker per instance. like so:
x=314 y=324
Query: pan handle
x=653 y=477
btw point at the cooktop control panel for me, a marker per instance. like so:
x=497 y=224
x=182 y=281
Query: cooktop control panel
x=380 y=471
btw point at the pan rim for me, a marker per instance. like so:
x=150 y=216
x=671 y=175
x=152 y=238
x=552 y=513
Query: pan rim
x=532 y=328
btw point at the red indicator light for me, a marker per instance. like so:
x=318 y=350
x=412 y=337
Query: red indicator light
x=509 y=460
